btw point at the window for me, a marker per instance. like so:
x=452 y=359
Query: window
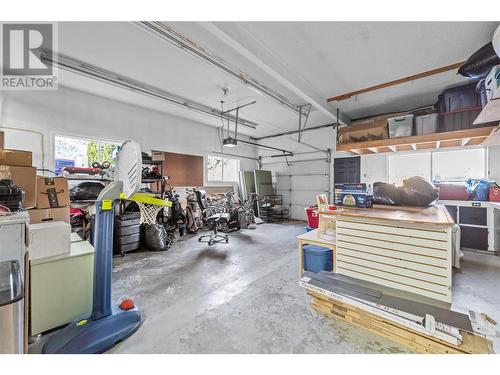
x=407 y=165
x=457 y=165
x=222 y=169
x=75 y=152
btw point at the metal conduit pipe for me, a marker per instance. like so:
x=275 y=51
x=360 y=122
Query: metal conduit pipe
x=79 y=67
x=166 y=33
x=297 y=161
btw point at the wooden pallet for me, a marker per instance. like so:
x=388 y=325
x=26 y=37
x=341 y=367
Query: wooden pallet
x=472 y=344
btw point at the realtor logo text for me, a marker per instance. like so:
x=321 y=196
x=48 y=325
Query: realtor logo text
x=27 y=49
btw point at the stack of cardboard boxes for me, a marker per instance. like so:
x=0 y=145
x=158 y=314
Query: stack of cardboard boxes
x=52 y=200
x=49 y=227
x=17 y=166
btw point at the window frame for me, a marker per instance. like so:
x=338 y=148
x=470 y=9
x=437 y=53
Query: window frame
x=217 y=181
x=486 y=171
x=485 y=160
x=80 y=138
x=388 y=177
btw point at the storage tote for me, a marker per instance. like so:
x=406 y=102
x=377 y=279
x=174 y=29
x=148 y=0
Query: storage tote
x=400 y=126
x=316 y=258
x=426 y=124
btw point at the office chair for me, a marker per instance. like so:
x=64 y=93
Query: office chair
x=213 y=218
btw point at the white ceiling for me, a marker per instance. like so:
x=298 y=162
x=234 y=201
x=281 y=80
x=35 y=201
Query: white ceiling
x=322 y=59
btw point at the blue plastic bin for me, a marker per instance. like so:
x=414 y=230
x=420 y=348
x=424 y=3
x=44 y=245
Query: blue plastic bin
x=316 y=258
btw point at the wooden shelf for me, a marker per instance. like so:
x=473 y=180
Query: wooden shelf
x=466 y=137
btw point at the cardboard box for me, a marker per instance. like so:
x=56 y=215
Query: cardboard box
x=367 y=129
x=43 y=215
x=52 y=192
x=16 y=158
x=1 y=140
x=24 y=178
x=353 y=195
x=49 y=239
x=157 y=156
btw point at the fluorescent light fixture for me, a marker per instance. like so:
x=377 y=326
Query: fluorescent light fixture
x=229 y=142
x=166 y=33
x=103 y=75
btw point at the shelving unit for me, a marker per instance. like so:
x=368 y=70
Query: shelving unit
x=466 y=137
x=158 y=181
x=479 y=222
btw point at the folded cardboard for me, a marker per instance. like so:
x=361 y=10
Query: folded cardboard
x=52 y=192
x=16 y=158
x=1 y=140
x=49 y=214
x=49 y=239
x=367 y=129
x=24 y=178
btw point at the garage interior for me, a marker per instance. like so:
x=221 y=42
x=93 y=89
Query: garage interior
x=241 y=187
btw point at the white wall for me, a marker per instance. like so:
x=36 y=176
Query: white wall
x=75 y=113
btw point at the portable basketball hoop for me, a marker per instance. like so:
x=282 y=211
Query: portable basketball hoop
x=107 y=324
x=149 y=206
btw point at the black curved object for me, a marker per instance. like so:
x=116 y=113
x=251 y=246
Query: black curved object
x=479 y=64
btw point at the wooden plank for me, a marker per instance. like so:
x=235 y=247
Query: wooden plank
x=494 y=138
x=372 y=329
x=396 y=253
x=471 y=343
x=398 y=284
x=413 y=77
x=358 y=318
x=438 y=235
x=399 y=216
x=451 y=143
x=490 y=112
x=434 y=248
x=394 y=328
x=425 y=145
x=392 y=315
x=417 y=139
x=476 y=141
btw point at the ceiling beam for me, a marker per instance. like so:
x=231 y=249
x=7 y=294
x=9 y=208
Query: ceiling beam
x=223 y=37
x=414 y=77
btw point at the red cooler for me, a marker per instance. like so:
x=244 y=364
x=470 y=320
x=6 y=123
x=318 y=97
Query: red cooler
x=494 y=194
x=312 y=217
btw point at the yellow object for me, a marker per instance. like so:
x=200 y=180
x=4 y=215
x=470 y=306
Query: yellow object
x=148 y=199
x=322 y=202
x=107 y=205
x=82 y=322
x=327 y=225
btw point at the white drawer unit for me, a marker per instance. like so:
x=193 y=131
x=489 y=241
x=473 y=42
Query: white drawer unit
x=415 y=258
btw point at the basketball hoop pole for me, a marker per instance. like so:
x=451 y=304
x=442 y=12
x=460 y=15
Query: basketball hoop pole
x=105 y=327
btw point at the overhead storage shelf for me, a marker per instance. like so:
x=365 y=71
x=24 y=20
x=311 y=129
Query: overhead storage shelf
x=466 y=137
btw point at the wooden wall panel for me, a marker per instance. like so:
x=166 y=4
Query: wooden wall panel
x=183 y=169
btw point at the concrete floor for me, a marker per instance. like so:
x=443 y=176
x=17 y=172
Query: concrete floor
x=243 y=297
